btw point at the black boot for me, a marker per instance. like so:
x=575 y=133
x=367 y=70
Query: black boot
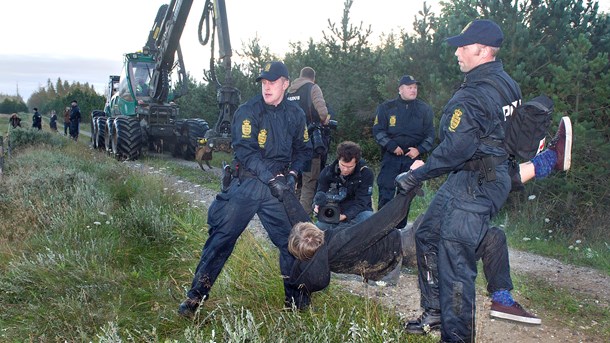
x=407 y=240
x=429 y=320
x=188 y=308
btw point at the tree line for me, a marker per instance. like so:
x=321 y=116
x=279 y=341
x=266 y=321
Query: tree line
x=57 y=96
x=556 y=47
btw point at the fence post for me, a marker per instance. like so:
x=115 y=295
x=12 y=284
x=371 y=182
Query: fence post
x=1 y=155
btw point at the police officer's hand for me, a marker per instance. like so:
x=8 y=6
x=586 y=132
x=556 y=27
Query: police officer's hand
x=278 y=186
x=291 y=180
x=406 y=182
x=416 y=164
x=412 y=152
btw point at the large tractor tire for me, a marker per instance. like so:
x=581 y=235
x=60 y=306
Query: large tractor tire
x=190 y=130
x=109 y=134
x=177 y=149
x=126 y=138
x=98 y=129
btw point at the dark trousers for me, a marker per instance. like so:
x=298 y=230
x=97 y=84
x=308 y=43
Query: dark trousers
x=228 y=216
x=391 y=166
x=66 y=128
x=449 y=242
x=74 y=130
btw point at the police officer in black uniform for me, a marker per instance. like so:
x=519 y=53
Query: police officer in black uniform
x=470 y=151
x=271 y=146
x=348 y=174
x=75 y=118
x=404 y=129
x=37 y=119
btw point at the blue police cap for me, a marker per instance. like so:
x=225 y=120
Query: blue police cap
x=408 y=80
x=482 y=31
x=273 y=71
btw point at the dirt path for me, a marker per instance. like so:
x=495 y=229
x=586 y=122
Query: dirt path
x=404 y=297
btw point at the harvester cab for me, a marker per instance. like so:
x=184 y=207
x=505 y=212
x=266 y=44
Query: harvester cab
x=140 y=113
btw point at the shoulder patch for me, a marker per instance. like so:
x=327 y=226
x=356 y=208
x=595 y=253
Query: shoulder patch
x=246 y=129
x=393 y=120
x=262 y=138
x=455 y=119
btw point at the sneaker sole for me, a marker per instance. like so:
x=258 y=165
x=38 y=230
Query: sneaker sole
x=567 y=153
x=515 y=318
x=422 y=332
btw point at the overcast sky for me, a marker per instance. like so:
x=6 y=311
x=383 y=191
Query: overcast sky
x=84 y=41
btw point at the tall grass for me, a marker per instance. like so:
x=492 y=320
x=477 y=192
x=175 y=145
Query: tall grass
x=530 y=226
x=93 y=251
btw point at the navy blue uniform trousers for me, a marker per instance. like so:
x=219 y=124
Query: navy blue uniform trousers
x=448 y=243
x=391 y=166
x=228 y=216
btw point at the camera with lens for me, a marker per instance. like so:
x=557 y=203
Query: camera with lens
x=328 y=204
x=320 y=136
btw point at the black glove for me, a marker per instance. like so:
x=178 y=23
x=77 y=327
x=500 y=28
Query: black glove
x=278 y=186
x=291 y=181
x=406 y=182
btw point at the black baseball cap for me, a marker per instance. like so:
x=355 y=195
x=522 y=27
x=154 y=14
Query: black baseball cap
x=482 y=31
x=408 y=80
x=273 y=71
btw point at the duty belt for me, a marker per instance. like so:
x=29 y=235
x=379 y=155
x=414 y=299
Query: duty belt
x=486 y=165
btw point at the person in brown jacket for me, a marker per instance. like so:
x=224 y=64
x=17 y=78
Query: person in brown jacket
x=309 y=95
x=66 y=120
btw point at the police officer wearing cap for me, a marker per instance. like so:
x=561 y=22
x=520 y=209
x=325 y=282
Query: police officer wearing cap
x=271 y=146
x=404 y=128
x=471 y=153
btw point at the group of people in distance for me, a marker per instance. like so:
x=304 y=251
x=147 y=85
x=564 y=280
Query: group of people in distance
x=72 y=119
x=273 y=151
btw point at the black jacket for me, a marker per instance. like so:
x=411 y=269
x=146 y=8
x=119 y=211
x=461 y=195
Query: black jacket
x=37 y=120
x=75 y=114
x=404 y=123
x=472 y=123
x=371 y=248
x=359 y=186
x=269 y=139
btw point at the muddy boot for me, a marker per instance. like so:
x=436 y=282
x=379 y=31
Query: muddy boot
x=391 y=278
x=188 y=308
x=407 y=239
x=429 y=320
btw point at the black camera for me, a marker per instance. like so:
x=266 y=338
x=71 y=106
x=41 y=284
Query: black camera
x=320 y=136
x=328 y=204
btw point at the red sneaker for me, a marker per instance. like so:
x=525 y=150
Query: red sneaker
x=562 y=144
x=515 y=313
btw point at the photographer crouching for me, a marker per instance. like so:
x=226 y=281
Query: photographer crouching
x=344 y=189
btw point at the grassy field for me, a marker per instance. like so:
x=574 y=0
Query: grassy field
x=93 y=251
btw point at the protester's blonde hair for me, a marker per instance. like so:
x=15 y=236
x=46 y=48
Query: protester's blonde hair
x=304 y=240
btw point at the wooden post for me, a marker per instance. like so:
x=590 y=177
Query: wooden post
x=1 y=155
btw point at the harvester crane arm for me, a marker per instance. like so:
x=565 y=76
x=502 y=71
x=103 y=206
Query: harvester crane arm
x=165 y=38
x=219 y=137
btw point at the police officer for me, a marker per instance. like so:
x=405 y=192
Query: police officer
x=477 y=185
x=404 y=128
x=349 y=174
x=74 y=120
x=271 y=146
x=37 y=119
x=310 y=98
